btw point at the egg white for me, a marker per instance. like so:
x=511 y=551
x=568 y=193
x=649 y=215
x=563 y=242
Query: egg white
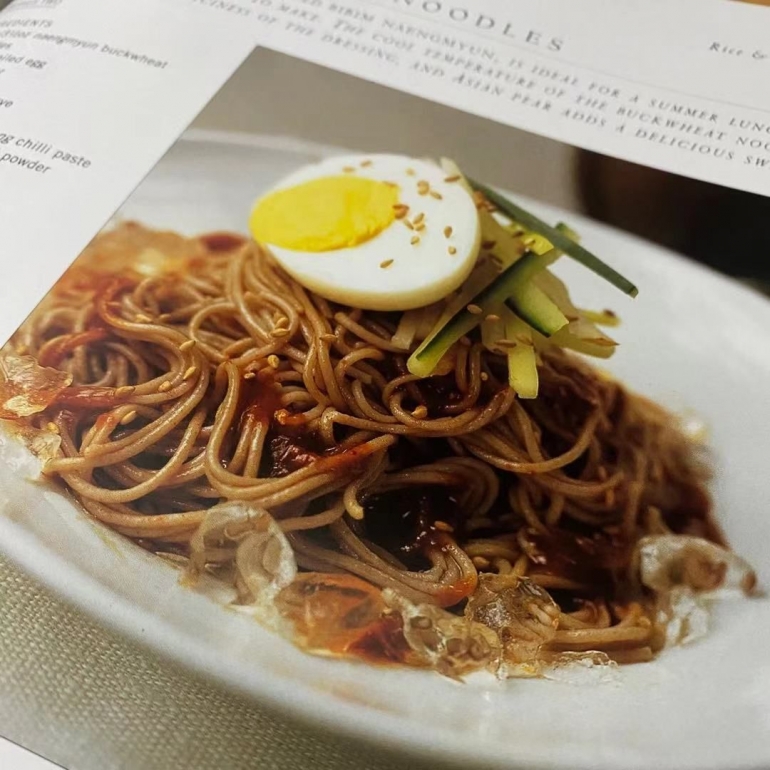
x=420 y=273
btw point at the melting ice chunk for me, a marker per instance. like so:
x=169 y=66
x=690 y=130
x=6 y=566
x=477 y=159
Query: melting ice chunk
x=451 y=644
x=667 y=561
x=686 y=572
x=243 y=542
x=339 y=614
x=523 y=615
x=581 y=668
x=684 y=614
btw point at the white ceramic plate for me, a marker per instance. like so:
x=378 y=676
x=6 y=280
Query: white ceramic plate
x=692 y=340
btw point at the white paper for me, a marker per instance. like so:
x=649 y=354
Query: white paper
x=680 y=86
x=14 y=757
x=93 y=92
x=91 y=96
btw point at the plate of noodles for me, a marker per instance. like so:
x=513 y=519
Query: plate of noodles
x=385 y=448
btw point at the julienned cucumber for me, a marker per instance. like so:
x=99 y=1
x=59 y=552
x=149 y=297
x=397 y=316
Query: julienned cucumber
x=522 y=361
x=425 y=359
x=557 y=238
x=534 y=306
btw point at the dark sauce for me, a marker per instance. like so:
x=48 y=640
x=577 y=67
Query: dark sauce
x=593 y=561
x=403 y=521
x=55 y=352
x=222 y=241
x=439 y=393
x=287 y=454
x=411 y=451
x=290 y=445
x=692 y=515
x=88 y=398
x=259 y=399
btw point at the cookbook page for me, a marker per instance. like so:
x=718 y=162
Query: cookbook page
x=155 y=141
x=90 y=97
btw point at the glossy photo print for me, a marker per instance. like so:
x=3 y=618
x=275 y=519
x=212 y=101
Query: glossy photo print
x=384 y=430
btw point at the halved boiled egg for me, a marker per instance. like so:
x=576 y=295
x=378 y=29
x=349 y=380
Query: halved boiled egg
x=378 y=232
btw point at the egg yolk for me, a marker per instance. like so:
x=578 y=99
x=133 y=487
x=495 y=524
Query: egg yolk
x=334 y=212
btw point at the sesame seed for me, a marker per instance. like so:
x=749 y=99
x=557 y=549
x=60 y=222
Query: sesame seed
x=423 y=187
x=366 y=163
x=610 y=313
x=410 y=172
x=452 y=250
x=282 y=321
x=448 y=231
x=474 y=309
x=419 y=228
x=480 y=562
x=279 y=332
x=505 y=344
x=401 y=210
x=484 y=376
x=52 y=427
x=386 y=263
x=443 y=526
x=408 y=224
x=249 y=375
x=420 y=413
x=436 y=194
x=185 y=346
x=348 y=169
x=418 y=219
x=488 y=244
x=492 y=318
x=128 y=417
x=141 y=318
x=453 y=178
x=273 y=361
x=189 y=372
x=415 y=240
x=164 y=387
x=124 y=390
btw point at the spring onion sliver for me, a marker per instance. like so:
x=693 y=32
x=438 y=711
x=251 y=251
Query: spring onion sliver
x=558 y=239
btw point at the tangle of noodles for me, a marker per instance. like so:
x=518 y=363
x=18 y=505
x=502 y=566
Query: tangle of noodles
x=199 y=372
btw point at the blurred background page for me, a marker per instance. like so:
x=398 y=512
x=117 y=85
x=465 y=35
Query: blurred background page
x=717 y=226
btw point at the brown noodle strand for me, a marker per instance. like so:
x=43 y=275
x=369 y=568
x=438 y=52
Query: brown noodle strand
x=230 y=355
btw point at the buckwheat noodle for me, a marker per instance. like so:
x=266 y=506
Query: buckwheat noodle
x=227 y=380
